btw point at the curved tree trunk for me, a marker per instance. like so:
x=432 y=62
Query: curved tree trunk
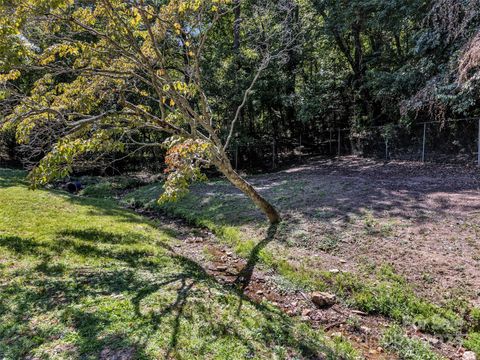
x=240 y=183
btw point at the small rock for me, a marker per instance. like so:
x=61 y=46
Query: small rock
x=343 y=261
x=334 y=271
x=373 y=352
x=291 y=312
x=469 y=355
x=306 y=312
x=260 y=292
x=365 y=329
x=323 y=300
x=221 y=267
x=380 y=349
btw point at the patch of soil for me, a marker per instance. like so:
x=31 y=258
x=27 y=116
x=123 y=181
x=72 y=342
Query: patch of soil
x=117 y=354
x=423 y=219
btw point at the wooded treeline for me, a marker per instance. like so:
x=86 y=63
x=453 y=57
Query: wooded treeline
x=352 y=65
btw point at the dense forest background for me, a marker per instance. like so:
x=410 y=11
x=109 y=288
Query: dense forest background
x=362 y=76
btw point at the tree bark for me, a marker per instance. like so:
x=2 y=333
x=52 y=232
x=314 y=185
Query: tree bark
x=291 y=70
x=236 y=27
x=244 y=186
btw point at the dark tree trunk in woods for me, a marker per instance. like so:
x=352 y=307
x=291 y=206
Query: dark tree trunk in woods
x=240 y=183
x=359 y=69
x=236 y=27
x=291 y=70
x=398 y=45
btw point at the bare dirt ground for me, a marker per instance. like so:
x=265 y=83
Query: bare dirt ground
x=354 y=213
x=424 y=220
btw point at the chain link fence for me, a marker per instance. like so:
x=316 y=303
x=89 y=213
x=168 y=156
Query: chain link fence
x=451 y=141
x=454 y=141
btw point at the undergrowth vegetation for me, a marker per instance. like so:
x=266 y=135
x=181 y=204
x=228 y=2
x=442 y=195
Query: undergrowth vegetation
x=107 y=187
x=408 y=349
x=472 y=342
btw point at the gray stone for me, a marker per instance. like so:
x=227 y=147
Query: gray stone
x=469 y=355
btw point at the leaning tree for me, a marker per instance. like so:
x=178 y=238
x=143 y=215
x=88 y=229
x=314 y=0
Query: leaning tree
x=104 y=70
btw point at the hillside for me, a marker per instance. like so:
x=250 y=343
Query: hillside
x=83 y=279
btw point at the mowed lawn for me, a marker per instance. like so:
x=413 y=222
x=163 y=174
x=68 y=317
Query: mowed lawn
x=84 y=279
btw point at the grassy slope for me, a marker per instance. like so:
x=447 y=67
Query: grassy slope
x=81 y=278
x=390 y=295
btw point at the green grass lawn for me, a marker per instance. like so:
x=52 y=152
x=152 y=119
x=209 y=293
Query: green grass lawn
x=82 y=278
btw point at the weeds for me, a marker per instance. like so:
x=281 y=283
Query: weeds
x=472 y=342
x=406 y=348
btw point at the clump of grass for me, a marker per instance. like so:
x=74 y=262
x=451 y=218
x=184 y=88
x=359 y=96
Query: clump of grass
x=373 y=227
x=391 y=296
x=475 y=319
x=100 y=190
x=472 y=342
x=145 y=197
x=329 y=243
x=406 y=348
x=104 y=188
x=399 y=302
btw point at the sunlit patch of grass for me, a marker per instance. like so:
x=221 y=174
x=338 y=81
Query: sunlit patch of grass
x=81 y=277
x=472 y=342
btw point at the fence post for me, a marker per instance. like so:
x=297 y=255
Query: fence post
x=386 y=149
x=273 y=155
x=478 y=155
x=339 y=142
x=424 y=141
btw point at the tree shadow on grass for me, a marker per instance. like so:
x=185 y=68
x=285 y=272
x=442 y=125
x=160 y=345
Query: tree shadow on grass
x=10 y=177
x=20 y=245
x=105 y=307
x=330 y=193
x=245 y=275
x=99 y=236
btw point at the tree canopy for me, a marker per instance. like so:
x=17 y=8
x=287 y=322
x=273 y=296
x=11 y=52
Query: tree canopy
x=81 y=79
